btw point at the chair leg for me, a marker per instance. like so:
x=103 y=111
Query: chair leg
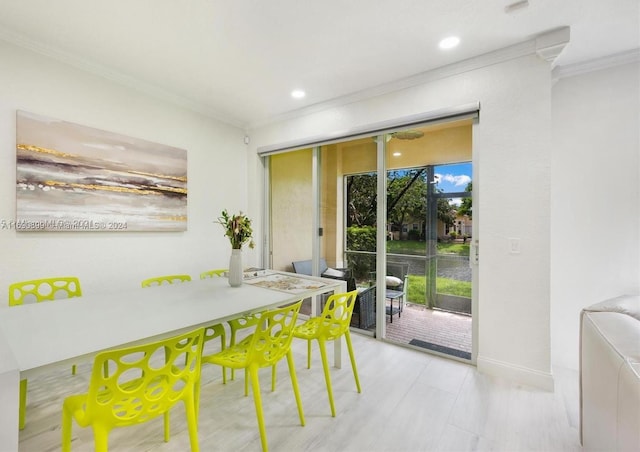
x=273 y=378
x=327 y=375
x=196 y=400
x=352 y=358
x=246 y=380
x=294 y=385
x=66 y=430
x=232 y=342
x=22 y=412
x=192 y=424
x=73 y=369
x=167 y=427
x=257 y=399
x=308 y=353
x=224 y=369
x=101 y=438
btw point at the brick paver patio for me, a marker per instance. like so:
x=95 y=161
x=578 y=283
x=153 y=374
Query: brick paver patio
x=442 y=328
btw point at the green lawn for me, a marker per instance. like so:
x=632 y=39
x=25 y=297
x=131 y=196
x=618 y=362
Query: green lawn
x=414 y=247
x=417 y=288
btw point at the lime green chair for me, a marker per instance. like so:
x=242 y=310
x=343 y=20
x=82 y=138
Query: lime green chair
x=46 y=289
x=240 y=323
x=331 y=325
x=36 y=291
x=213 y=273
x=270 y=342
x=145 y=382
x=216 y=330
x=167 y=279
x=212 y=332
x=246 y=321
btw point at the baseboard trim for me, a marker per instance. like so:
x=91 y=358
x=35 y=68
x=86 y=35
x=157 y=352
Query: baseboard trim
x=518 y=374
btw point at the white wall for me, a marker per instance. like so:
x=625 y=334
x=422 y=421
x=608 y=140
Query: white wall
x=595 y=202
x=107 y=261
x=511 y=156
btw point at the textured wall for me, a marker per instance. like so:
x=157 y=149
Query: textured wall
x=595 y=202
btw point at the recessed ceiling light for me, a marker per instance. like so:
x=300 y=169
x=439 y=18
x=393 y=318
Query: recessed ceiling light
x=397 y=154
x=297 y=94
x=449 y=43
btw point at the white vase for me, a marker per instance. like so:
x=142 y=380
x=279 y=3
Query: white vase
x=235 y=274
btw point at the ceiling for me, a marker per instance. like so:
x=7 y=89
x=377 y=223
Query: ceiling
x=238 y=60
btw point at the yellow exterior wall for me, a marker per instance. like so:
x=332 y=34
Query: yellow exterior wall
x=437 y=146
x=291 y=215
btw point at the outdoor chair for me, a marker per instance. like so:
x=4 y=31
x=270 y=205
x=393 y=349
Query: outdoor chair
x=365 y=308
x=396 y=284
x=304 y=268
x=344 y=274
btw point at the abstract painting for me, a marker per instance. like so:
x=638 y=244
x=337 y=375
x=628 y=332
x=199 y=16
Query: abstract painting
x=71 y=177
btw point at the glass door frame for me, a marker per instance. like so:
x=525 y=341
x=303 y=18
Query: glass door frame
x=376 y=131
x=381 y=236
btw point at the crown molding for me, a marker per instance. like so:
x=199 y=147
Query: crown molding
x=596 y=64
x=551 y=44
x=487 y=59
x=547 y=45
x=130 y=82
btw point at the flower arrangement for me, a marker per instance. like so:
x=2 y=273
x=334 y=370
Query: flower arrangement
x=237 y=228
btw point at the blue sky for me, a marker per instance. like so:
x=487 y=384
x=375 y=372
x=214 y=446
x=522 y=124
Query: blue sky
x=454 y=177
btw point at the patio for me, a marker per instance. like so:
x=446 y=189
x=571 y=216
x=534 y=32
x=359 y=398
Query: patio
x=440 y=331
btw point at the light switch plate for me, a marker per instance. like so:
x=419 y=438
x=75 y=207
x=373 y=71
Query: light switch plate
x=514 y=245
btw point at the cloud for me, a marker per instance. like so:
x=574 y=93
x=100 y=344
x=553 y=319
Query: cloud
x=458 y=181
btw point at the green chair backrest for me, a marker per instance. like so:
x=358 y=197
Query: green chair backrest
x=46 y=289
x=336 y=315
x=144 y=381
x=273 y=335
x=167 y=279
x=212 y=273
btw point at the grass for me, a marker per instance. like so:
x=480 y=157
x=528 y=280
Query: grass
x=416 y=292
x=415 y=247
x=461 y=249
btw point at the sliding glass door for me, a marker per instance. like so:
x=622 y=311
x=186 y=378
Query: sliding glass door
x=330 y=206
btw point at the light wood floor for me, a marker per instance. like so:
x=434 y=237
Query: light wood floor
x=411 y=401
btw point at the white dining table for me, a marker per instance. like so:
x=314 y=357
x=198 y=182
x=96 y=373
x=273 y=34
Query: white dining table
x=34 y=337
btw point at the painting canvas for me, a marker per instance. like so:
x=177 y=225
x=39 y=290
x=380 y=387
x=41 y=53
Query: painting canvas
x=71 y=177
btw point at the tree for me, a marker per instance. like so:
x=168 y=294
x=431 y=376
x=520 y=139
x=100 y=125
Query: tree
x=406 y=199
x=446 y=211
x=466 y=207
x=406 y=196
x=361 y=200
